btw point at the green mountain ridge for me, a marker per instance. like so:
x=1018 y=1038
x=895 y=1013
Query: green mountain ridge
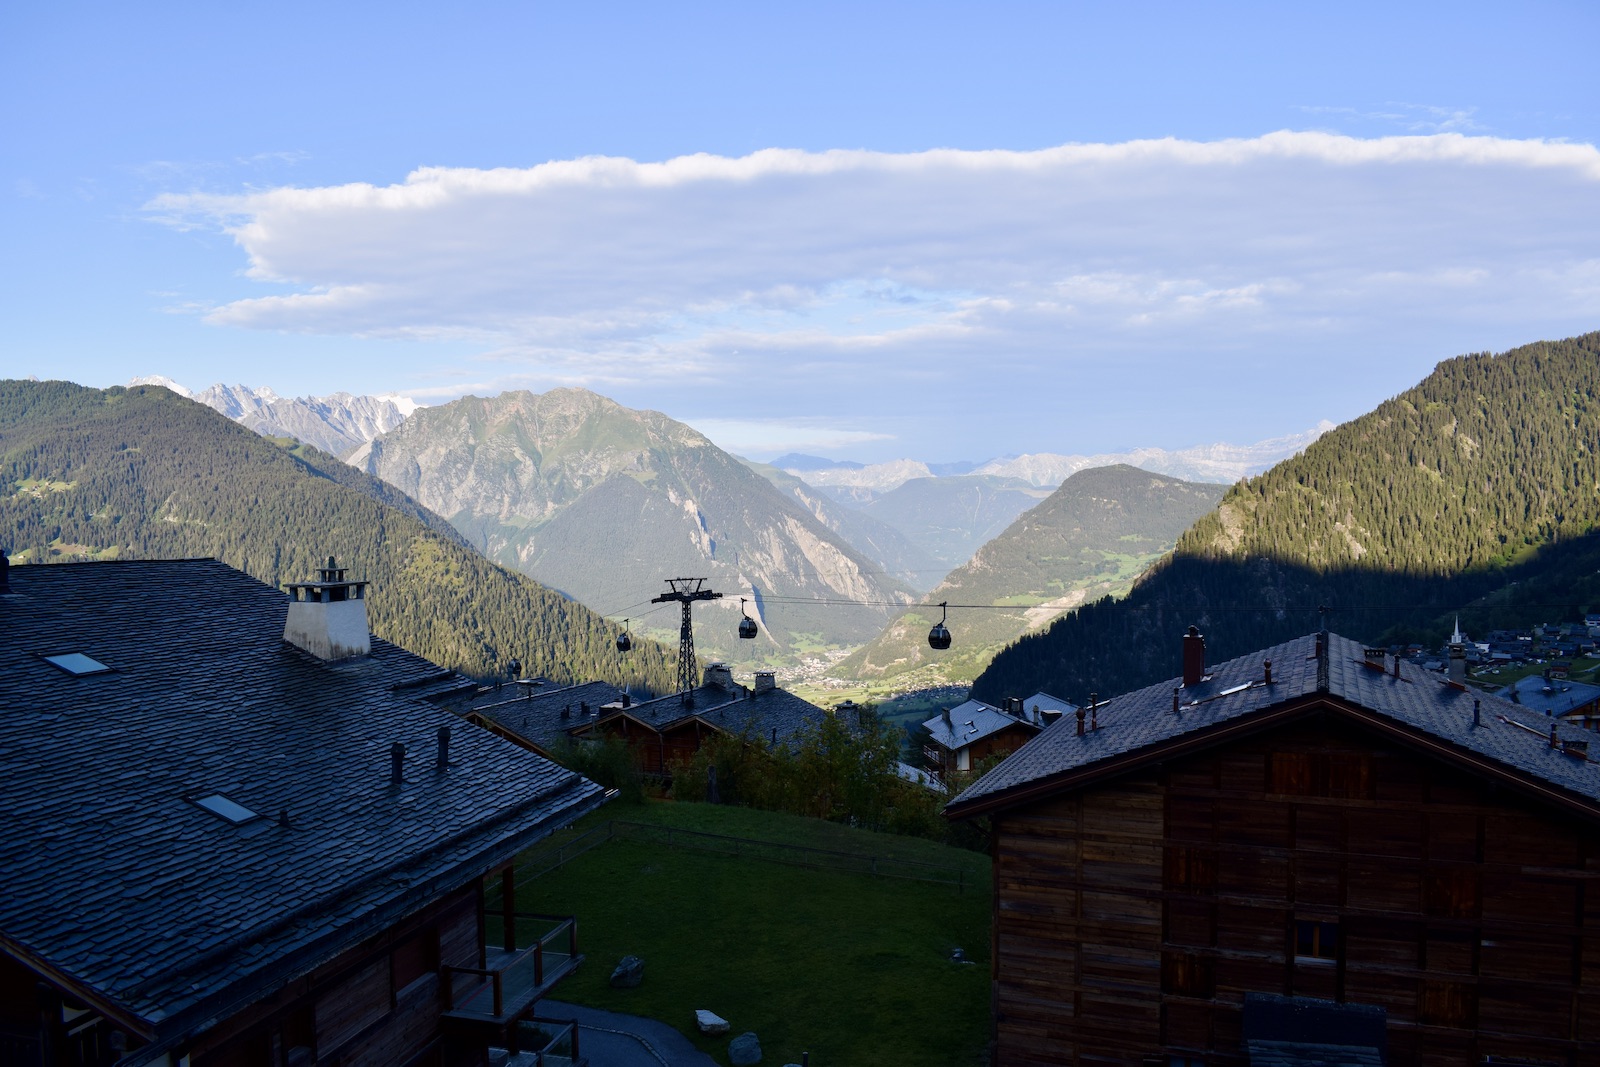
x=1476 y=491
x=1091 y=537
x=144 y=473
x=604 y=502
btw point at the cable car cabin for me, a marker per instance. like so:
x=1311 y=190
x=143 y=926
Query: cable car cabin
x=747 y=628
x=939 y=636
x=624 y=643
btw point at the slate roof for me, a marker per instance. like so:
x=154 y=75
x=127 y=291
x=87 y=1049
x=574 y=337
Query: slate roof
x=774 y=715
x=542 y=715
x=970 y=723
x=1419 y=704
x=1042 y=701
x=175 y=916
x=1562 y=698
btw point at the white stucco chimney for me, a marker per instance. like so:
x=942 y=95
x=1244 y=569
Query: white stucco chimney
x=328 y=617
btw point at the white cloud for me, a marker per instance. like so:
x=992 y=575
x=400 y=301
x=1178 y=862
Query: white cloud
x=972 y=271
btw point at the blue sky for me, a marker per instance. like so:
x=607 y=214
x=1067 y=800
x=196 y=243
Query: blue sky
x=1153 y=224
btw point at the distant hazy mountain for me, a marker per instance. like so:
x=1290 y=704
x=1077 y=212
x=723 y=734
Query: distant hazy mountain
x=337 y=424
x=799 y=461
x=1090 y=538
x=895 y=554
x=948 y=518
x=604 y=503
x=1206 y=463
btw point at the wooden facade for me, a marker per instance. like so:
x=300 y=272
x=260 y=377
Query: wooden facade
x=1316 y=859
x=380 y=1004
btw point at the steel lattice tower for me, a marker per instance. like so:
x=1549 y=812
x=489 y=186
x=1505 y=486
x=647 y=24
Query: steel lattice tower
x=686 y=591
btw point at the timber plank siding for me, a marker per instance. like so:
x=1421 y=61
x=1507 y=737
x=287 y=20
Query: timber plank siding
x=1315 y=859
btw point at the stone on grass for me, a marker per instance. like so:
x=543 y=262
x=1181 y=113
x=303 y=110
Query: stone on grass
x=744 y=1050
x=629 y=973
x=710 y=1022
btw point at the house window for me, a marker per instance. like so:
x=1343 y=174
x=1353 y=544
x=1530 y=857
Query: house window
x=77 y=663
x=1315 y=940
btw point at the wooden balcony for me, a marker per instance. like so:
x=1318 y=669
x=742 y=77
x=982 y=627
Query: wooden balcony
x=524 y=958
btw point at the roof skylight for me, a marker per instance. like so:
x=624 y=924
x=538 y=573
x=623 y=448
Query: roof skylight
x=221 y=806
x=77 y=663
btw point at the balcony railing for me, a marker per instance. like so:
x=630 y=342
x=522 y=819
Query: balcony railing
x=545 y=1043
x=523 y=959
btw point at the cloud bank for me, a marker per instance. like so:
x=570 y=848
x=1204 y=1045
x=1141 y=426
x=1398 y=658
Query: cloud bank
x=841 y=279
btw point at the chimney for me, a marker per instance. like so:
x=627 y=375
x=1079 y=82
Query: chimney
x=328 y=617
x=1049 y=716
x=444 y=748
x=1266 y=671
x=5 y=572
x=627 y=700
x=397 y=763
x=947 y=722
x=1194 y=656
x=766 y=681
x=1458 y=663
x=1374 y=657
x=719 y=675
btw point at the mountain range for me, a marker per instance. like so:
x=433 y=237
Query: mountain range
x=1092 y=537
x=1475 y=492
x=338 y=423
x=142 y=472
x=605 y=502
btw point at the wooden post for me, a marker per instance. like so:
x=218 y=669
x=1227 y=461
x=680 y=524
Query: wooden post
x=508 y=907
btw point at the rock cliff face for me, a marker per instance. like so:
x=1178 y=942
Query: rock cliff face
x=604 y=503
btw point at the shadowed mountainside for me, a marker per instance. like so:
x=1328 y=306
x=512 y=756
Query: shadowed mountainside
x=1478 y=490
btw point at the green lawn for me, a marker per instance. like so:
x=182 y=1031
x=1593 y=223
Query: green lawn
x=850 y=968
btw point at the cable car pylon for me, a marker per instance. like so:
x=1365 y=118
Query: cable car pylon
x=686 y=591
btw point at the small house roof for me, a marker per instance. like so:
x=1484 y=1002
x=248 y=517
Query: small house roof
x=541 y=715
x=773 y=715
x=969 y=723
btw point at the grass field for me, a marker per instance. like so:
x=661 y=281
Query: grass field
x=850 y=968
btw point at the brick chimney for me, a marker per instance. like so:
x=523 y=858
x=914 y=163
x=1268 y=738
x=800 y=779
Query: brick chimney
x=328 y=617
x=1194 y=656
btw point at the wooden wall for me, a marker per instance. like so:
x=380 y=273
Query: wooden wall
x=1131 y=919
x=376 y=1005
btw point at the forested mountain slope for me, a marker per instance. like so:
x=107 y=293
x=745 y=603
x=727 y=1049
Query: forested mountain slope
x=1092 y=537
x=604 y=502
x=142 y=472
x=1478 y=490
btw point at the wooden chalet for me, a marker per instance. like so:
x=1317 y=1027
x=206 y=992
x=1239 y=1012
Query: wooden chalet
x=1312 y=854
x=240 y=832
x=668 y=731
x=961 y=737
